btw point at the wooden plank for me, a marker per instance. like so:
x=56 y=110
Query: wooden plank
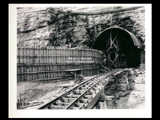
x=71 y=70
x=35 y=69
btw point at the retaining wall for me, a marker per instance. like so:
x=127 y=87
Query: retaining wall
x=49 y=63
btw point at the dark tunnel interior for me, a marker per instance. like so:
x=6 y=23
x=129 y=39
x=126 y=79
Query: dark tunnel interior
x=127 y=51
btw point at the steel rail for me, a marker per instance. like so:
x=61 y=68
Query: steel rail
x=94 y=95
x=68 y=91
x=92 y=82
x=81 y=94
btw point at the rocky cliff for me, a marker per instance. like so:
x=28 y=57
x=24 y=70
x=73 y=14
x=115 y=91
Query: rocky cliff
x=74 y=26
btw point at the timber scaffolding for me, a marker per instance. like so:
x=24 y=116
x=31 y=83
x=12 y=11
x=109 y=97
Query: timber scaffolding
x=38 y=64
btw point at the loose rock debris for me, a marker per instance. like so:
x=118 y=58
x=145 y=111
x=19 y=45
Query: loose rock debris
x=133 y=98
x=136 y=98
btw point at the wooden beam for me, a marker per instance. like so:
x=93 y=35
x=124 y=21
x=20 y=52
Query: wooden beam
x=112 y=43
x=112 y=62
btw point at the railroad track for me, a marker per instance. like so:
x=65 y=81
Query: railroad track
x=83 y=95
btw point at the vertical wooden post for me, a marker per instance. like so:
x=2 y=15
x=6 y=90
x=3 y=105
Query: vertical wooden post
x=101 y=105
x=105 y=104
x=46 y=56
x=95 y=31
x=39 y=57
x=107 y=45
x=34 y=53
x=56 y=54
x=42 y=54
x=51 y=54
x=24 y=66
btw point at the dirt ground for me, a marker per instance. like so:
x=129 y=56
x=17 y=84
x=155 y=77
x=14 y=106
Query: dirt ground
x=31 y=91
x=136 y=98
x=43 y=92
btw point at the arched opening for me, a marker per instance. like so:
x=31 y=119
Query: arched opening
x=121 y=47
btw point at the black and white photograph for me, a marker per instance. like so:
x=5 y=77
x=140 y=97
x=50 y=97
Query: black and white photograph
x=79 y=57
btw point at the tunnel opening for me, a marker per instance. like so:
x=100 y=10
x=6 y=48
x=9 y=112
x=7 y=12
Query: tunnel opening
x=121 y=48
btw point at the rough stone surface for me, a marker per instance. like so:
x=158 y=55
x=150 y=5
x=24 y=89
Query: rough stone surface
x=35 y=25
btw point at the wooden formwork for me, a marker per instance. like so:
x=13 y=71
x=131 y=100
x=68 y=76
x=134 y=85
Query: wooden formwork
x=48 y=63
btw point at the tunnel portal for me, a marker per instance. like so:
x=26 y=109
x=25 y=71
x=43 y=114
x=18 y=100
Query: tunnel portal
x=120 y=47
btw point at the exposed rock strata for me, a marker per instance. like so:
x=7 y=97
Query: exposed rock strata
x=36 y=27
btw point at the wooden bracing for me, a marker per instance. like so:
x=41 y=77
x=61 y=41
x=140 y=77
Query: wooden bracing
x=112 y=44
x=114 y=62
x=112 y=52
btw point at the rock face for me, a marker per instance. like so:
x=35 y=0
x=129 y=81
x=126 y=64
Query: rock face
x=71 y=26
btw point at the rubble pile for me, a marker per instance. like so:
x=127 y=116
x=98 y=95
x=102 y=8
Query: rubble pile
x=127 y=96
